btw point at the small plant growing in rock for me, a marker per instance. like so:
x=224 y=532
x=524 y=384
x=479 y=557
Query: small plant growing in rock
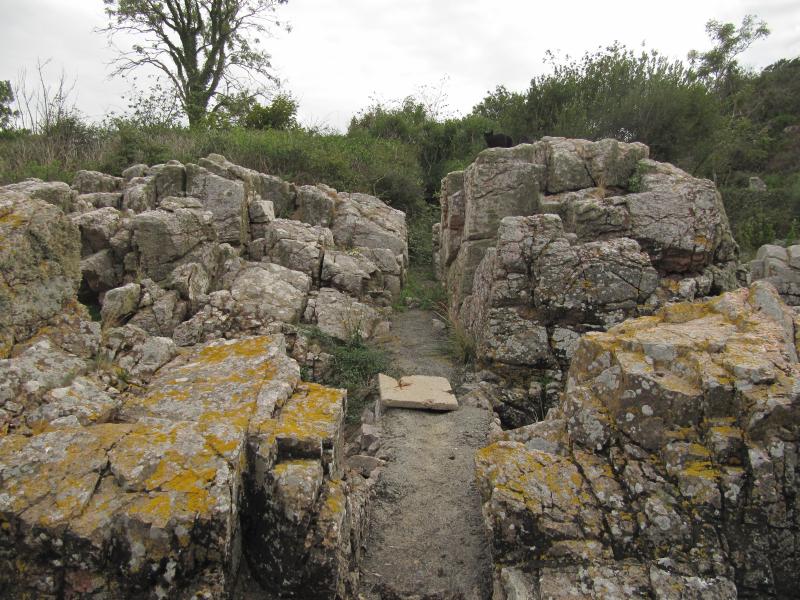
x=355 y=366
x=461 y=344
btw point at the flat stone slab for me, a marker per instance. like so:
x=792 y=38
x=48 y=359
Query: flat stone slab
x=417 y=391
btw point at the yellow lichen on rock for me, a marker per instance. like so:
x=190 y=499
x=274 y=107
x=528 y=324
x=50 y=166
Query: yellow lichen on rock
x=313 y=412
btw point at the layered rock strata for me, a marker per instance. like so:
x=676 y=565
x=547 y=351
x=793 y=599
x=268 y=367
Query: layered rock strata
x=668 y=469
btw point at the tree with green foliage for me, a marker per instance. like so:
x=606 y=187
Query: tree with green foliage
x=6 y=99
x=281 y=113
x=201 y=46
x=719 y=67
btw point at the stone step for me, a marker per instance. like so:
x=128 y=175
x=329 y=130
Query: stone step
x=417 y=391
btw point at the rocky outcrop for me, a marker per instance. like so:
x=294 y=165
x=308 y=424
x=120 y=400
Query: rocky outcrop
x=669 y=467
x=781 y=267
x=176 y=235
x=170 y=450
x=39 y=265
x=540 y=243
x=190 y=479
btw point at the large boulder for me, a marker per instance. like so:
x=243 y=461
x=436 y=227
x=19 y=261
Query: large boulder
x=668 y=465
x=451 y=226
x=226 y=199
x=601 y=190
x=542 y=242
x=343 y=317
x=316 y=205
x=56 y=193
x=97 y=228
x=39 y=263
x=363 y=220
x=159 y=311
x=537 y=285
x=679 y=220
x=351 y=272
x=257 y=186
x=90 y=182
x=271 y=292
x=27 y=377
x=501 y=182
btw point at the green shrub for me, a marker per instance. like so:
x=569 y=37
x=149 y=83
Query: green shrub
x=355 y=366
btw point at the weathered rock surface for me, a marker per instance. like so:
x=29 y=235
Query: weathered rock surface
x=165 y=494
x=91 y=182
x=39 y=265
x=343 y=317
x=257 y=186
x=542 y=242
x=259 y=295
x=132 y=467
x=352 y=273
x=364 y=221
x=56 y=193
x=294 y=245
x=316 y=205
x=781 y=267
x=668 y=469
x=179 y=232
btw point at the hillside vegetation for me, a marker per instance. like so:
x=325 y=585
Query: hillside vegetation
x=711 y=117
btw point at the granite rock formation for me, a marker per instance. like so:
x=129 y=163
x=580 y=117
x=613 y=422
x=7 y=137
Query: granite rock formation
x=543 y=242
x=669 y=468
x=171 y=450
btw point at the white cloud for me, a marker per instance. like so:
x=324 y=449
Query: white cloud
x=341 y=54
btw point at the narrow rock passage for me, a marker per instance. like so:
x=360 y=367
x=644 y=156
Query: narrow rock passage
x=426 y=533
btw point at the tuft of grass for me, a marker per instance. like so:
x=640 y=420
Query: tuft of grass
x=461 y=343
x=355 y=366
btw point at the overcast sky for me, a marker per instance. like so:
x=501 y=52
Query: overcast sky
x=342 y=54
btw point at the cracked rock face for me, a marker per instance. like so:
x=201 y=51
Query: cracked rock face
x=540 y=243
x=668 y=467
x=148 y=499
x=172 y=451
x=39 y=265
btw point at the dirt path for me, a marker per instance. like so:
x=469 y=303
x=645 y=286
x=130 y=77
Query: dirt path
x=427 y=534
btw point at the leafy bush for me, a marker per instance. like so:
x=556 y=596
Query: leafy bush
x=420 y=239
x=612 y=92
x=441 y=145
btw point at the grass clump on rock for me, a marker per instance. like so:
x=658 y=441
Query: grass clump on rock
x=354 y=367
